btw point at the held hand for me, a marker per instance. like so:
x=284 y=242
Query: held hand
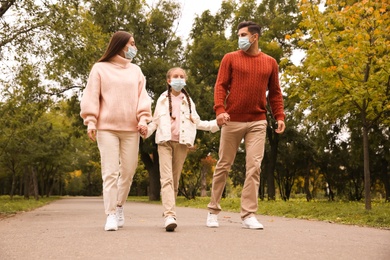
x=222 y=119
x=281 y=127
x=92 y=134
x=143 y=130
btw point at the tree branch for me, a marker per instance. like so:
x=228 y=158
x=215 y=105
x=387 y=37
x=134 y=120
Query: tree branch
x=5 y=5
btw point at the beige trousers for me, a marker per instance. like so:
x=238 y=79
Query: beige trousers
x=171 y=157
x=253 y=134
x=119 y=159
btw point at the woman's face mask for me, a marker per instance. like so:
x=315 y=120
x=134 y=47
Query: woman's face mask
x=130 y=53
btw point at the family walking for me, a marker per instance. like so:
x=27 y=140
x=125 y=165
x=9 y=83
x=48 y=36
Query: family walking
x=116 y=109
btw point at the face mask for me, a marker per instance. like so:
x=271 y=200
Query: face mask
x=177 y=84
x=243 y=43
x=130 y=53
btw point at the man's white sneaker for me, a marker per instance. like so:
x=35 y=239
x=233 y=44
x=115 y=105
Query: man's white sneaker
x=120 y=216
x=111 y=223
x=251 y=223
x=170 y=223
x=212 y=220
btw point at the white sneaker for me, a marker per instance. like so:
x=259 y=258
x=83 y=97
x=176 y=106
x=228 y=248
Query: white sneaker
x=111 y=223
x=252 y=223
x=212 y=220
x=120 y=216
x=170 y=223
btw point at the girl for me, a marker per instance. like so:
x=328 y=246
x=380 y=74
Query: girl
x=114 y=105
x=176 y=121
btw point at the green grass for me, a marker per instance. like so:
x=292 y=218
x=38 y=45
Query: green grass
x=17 y=204
x=350 y=213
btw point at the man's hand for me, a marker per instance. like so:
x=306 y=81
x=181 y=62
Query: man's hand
x=222 y=119
x=92 y=134
x=281 y=127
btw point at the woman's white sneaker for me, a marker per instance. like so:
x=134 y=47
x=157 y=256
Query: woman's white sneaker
x=111 y=223
x=251 y=223
x=212 y=220
x=120 y=216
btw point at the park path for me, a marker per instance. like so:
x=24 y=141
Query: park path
x=72 y=228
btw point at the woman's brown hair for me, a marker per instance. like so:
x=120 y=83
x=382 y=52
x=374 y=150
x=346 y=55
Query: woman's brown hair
x=117 y=42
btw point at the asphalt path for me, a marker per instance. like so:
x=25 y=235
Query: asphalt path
x=73 y=228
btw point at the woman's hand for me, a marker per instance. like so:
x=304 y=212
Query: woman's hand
x=143 y=130
x=92 y=134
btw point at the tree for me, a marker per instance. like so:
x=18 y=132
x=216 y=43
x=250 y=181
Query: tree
x=20 y=20
x=160 y=49
x=348 y=67
x=208 y=44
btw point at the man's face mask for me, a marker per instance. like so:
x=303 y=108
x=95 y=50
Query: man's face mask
x=244 y=43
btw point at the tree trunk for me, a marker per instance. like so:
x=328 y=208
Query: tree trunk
x=89 y=190
x=263 y=180
x=203 y=185
x=289 y=184
x=386 y=179
x=154 y=179
x=153 y=168
x=35 y=183
x=13 y=184
x=367 y=181
x=26 y=183
x=307 y=186
x=282 y=186
x=273 y=139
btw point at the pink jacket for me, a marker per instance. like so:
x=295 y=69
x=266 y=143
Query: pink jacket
x=115 y=97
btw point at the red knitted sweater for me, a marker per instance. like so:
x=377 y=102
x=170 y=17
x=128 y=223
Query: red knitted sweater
x=241 y=86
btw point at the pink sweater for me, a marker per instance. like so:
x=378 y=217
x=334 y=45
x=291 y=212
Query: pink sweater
x=115 y=97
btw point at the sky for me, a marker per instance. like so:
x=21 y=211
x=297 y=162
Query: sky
x=191 y=8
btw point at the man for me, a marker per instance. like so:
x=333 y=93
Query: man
x=240 y=99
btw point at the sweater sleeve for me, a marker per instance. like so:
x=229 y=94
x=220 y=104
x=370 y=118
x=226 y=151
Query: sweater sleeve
x=275 y=95
x=144 y=112
x=222 y=85
x=90 y=101
x=152 y=126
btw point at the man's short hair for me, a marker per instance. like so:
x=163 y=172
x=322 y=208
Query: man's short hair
x=252 y=27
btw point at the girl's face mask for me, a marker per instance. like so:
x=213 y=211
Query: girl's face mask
x=177 y=84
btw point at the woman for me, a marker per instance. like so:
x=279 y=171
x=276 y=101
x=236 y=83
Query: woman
x=114 y=105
